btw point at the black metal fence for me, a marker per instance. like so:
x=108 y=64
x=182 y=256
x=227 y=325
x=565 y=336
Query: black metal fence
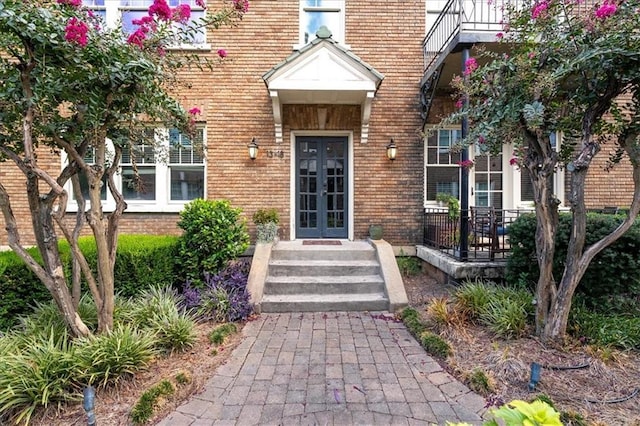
x=488 y=232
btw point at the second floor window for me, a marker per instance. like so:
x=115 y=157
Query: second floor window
x=316 y=13
x=126 y=11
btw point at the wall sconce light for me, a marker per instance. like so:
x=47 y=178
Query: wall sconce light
x=253 y=149
x=392 y=150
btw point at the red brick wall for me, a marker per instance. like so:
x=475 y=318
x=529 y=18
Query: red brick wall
x=604 y=187
x=236 y=107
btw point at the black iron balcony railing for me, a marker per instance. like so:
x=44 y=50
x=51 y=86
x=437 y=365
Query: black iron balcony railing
x=488 y=238
x=481 y=20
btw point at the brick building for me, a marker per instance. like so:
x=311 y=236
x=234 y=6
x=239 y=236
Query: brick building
x=323 y=104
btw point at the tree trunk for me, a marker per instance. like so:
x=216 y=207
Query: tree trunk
x=95 y=218
x=579 y=258
x=51 y=273
x=546 y=229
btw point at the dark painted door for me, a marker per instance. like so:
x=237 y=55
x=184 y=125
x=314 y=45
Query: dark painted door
x=321 y=187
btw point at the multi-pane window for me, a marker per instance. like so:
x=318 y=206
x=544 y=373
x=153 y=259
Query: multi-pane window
x=442 y=164
x=90 y=158
x=316 y=13
x=97 y=6
x=131 y=10
x=160 y=170
x=526 y=186
x=488 y=180
x=126 y=11
x=138 y=167
x=186 y=164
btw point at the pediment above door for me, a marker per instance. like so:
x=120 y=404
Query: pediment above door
x=322 y=72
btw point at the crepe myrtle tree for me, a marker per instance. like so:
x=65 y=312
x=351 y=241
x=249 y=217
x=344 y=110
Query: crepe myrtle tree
x=67 y=84
x=574 y=68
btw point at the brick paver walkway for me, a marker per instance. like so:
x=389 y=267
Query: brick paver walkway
x=334 y=368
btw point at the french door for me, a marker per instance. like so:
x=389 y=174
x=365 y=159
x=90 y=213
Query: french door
x=321 y=187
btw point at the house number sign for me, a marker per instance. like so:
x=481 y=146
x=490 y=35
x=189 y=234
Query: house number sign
x=275 y=153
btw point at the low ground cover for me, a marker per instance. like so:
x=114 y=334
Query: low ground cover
x=590 y=379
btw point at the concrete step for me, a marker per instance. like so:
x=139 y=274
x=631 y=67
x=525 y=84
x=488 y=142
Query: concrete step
x=323 y=253
x=307 y=284
x=324 y=303
x=323 y=267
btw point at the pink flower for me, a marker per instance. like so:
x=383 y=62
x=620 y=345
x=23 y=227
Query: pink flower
x=531 y=55
x=499 y=36
x=182 y=13
x=76 y=32
x=513 y=161
x=195 y=111
x=72 y=3
x=161 y=9
x=470 y=66
x=481 y=140
x=539 y=9
x=145 y=20
x=201 y=3
x=137 y=37
x=222 y=53
x=459 y=103
x=466 y=164
x=607 y=9
x=241 y=5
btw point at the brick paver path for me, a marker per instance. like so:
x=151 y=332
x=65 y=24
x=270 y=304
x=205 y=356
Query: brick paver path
x=334 y=368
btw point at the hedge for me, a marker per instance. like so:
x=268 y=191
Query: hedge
x=142 y=261
x=614 y=271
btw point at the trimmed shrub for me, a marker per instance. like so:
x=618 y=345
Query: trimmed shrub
x=20 y=289
x=142 y=261
x=214 y=234
x=613 y=272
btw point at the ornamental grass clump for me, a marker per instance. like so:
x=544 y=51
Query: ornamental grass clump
x=160 y=311
x=504 y=310
x=36 y=371
x=107 y=358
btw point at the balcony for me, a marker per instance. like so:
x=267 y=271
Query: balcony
x=461 y=23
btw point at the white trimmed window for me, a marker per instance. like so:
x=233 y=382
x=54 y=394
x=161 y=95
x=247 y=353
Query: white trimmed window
x=186 y=166
x=161 y=172
x=125 y=11
x=316 y=13
x=442 y=168
x=526 y=187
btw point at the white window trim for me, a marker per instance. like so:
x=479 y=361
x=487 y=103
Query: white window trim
x=340 y=38
x=113 y=10
x=163 y=202
x=512 y=185
x=432 y=203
